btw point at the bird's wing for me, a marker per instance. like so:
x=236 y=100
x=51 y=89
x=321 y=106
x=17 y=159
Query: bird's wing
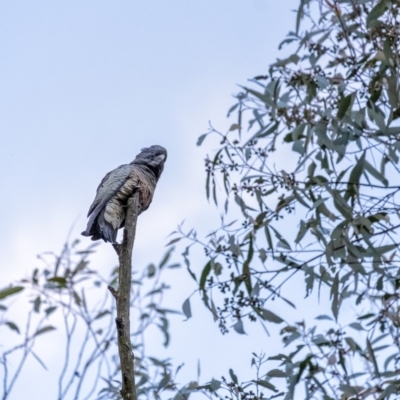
x=109 y=186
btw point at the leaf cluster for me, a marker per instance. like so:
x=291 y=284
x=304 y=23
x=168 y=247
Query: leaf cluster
x=66 y=301
x=309 y=169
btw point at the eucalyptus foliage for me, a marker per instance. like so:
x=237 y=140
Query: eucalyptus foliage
x=311 y=163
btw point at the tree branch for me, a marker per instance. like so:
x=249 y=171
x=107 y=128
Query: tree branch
x=122 y=297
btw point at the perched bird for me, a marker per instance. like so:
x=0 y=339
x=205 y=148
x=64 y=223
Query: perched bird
x=107 y=212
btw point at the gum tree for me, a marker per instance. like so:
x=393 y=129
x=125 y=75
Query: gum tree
x=311 y=166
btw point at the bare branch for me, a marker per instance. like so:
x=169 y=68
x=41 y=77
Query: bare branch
x=128 y=390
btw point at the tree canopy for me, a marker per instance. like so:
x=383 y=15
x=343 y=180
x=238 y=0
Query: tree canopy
x=312 y=164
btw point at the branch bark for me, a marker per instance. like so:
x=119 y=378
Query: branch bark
x=123 y=296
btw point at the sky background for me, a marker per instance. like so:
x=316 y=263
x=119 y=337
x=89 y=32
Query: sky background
x=84 y=85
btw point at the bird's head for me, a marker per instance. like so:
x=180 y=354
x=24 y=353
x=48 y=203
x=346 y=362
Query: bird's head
x=153 y=157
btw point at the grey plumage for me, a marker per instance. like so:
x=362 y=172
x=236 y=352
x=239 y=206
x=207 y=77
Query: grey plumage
x=107 y=212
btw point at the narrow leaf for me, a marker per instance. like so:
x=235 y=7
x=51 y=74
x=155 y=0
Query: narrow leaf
x=12 y=326
x=44 y=330
x=9 y=291
x=102 y=314
x=376 y=12
x=270 y=316
x=201 y=138
x=204 y=275
x=344 y=105
x=186 y=308
x=371 y=354
x=233 y=376
x=238 y=327
x=246 y=266
x=266 y=384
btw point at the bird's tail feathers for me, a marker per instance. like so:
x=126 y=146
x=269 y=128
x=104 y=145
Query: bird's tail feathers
x=105 y=229
x=98 y=228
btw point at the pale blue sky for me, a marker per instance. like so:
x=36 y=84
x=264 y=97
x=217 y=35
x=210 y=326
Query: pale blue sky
x=85 y=84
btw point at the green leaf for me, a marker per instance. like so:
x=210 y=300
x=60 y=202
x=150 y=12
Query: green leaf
x=341 y=204
x=350 y=391
x=243 y=206
x=208 y=185
x=215 y=384
x=389 y=360
x=201 y=138
x=299 y=146
x=164 y=329
x=375 y=173
x=282 y=241
x=380 y=250
x=300 y=15
x=300 y=199
x=233 y=376
x=233 y=108
x=352 y=344
x=357 y=326
x=77 y=298
x=81 y=266
x=45 y=329
x=187 y=309
x=217 y=268
x=335 y=296
x=323 y=209
x=283 y=244
x=302 y=366
x=277 y=373
x=246 y=266
x=366 y=316
x=376 y=12
x=393 y=89
x=36 y=304
x=284 y=202
x=371 y=354
x=354 y=179
x=151 y=270
x=12 y=326
x=323 y=317
x=204 y=274
x=10 y=291
x=267 y=132
x=50 y=310
x=268 y=237
x=302 y=231
x=263 y=97
x=387 y=51
x=101 y=314
x=266 y=385
x=234 y=127
x=212 y=307
x=238 y=327
x=62 y=282
x=166 y=257
x=270 y=316
x=344 y=105
x=214 y=192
